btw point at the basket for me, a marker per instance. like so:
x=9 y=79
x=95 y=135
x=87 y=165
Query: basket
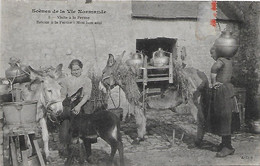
x=19 y=113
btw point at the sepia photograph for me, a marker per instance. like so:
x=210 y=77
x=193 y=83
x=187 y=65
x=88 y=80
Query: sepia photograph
x=129 y=83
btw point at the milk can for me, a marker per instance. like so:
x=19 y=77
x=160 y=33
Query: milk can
x=136 y=60
x=226 y=45
x=17 y=73
x=159 y=58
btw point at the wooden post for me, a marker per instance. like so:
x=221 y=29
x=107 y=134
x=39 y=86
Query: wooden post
x=171 y=69
x=13 y=153
x=25 y=158
x=173 y=136
x=6 y=150
x=182 y=136
x=145 y=79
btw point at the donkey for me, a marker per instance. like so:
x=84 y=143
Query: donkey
x=44 y=88
x=198 y=88
x=118 y=73
x=106 y=124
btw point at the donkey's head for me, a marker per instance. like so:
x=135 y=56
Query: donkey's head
x=70 y=102
x=112 y=73
x=119 y=73
x=46 y=85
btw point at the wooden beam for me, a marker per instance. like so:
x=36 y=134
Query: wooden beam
x=171 y=69
x=25 y=158
x=13 y=153
x=36 y=145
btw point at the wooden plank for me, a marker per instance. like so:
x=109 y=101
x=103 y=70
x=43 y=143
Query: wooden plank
x=171 y=70
x=158 y=79
x=157 y=75
x=154 y=79
x=159 y=67
x=145 y=77
x=154 y=90
x=25 y=158
x=173 y=137
x=13 y=153
x=18 y=149
x=6 y=151
x=36 y=145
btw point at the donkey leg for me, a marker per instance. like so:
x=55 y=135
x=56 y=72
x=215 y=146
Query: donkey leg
x=81 y=152
x=113 y=145
x=45 y=138
x=200 y=129
x=69 y=159
x=141 y=122
x=198 y=115
x=87 y=145
x=121 y=153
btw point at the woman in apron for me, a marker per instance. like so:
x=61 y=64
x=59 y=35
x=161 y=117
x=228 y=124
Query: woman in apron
x=222 y=102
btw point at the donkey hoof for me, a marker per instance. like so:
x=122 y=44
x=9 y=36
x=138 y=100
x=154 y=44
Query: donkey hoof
x=137 y=141
x=48 y=161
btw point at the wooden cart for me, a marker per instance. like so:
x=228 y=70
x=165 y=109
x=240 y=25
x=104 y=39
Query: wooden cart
x=148 y=76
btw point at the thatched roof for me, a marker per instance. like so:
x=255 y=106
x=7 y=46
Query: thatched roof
x=171 y=10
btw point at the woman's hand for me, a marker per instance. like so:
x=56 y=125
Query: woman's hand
x=216 y=85
x=76 y=109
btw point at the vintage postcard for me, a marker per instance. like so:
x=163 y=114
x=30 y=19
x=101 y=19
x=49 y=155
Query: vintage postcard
x=129 y=82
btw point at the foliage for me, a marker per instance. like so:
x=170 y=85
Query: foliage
x=246 y=59
x=181 y=81
x=97 y=96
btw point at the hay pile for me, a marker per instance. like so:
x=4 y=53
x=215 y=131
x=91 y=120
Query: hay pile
x=98 y=97
x=182 y=81
x=127 y=77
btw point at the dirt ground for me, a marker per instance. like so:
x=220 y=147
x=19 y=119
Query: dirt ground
x=159 y=149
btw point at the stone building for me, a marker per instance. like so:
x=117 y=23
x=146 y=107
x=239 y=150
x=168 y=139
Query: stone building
x=27 y=32
x=24 y=34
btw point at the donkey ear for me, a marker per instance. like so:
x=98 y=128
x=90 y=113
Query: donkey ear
x=111 y=60
x=58 y=71
x=79 y=92
x=35 y=74
x=76 y=95
x=120 y=57
x=123 y=53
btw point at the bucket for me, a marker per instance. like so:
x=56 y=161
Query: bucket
x=17 y=113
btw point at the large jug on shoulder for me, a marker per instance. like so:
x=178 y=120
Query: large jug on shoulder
x=136 y=59
x=159 y=58
x=226 y=46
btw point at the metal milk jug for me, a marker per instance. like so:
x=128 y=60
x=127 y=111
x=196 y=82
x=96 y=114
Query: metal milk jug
x=159 y=58
x=136 y=59
x=17 y=73
x=226 y=45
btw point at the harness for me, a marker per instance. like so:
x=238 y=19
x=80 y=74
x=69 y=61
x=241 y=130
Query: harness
x=48 y=112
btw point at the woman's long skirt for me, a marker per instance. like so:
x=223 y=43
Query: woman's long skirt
x=221 y=107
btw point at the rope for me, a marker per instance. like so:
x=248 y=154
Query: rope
x=113 y=100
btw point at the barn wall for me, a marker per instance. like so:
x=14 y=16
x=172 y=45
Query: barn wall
x=44 y=45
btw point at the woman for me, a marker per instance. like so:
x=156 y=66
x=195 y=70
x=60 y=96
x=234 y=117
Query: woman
x=222 y=102
x=75 y=81
x=70 y=85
